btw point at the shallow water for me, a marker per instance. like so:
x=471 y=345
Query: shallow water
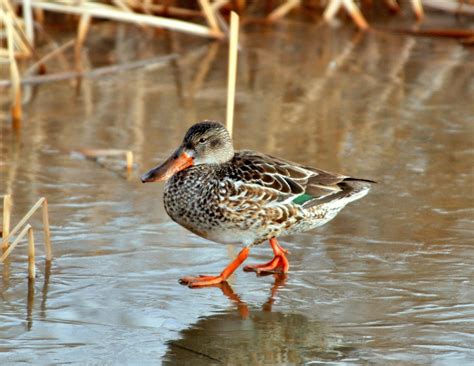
x=389 y=281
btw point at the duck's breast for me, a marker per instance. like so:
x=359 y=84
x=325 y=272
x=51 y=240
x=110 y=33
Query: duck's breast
x=190 y=200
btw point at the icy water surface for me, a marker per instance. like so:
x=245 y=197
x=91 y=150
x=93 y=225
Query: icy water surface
x=389 y=281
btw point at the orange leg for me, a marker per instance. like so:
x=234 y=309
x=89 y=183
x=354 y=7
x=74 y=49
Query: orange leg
x=214 y=280
x=279 y=263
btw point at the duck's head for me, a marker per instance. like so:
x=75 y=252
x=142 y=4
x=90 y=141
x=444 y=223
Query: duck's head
x=205 y=143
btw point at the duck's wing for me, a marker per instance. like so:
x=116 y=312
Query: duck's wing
x=289 y=182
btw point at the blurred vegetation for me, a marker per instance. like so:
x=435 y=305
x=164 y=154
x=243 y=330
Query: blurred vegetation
x=24 y=23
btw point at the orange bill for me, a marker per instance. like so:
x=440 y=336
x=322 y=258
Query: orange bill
x=178 y=161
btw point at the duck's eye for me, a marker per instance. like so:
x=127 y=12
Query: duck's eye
x=202 y=140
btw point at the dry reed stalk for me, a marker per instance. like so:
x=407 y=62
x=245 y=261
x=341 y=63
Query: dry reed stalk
x=232 y=70
x=122 y=6
x=82 y=29
x=40 y=63
x=109 y=12
x=38 y=79
x=14 y=75
x=333 y=7
x=20 y=40
x=15 y=242
x=457 y=7
x=217 y=4
x=129 y=160
x=283 y=9
x=448 y=33
x=28 y=20
x=31 y=254
x=393 y=5
x=26 y=217
x=47 y=233
x=148 y=7
x=39 y=15
x=97 y=153
x=418 y=9
x=7 y=211
x=356 y=14
x=210 y=16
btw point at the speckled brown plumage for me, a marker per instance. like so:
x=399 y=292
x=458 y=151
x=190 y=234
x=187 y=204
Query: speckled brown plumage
x=246 y=197
x=250 y=198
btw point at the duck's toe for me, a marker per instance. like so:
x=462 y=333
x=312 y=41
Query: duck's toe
x=279 y=264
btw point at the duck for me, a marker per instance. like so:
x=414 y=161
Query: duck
x=246 y=197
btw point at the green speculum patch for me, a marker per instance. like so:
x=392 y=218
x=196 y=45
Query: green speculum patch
x=302 y=199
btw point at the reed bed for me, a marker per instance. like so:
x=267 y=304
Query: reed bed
x=21 y=19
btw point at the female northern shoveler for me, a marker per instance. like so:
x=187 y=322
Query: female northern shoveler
x=245 y=196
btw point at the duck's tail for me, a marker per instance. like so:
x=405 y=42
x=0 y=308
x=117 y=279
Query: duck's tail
x=355 y=188
x=349 y=189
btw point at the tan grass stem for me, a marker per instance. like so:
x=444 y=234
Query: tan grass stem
x=7 y=210
x=210 y=16
x=283 y=9
x=82 y=29
x=418 y=9
x=129 y=160
x=25 y=218
x=14 y=73
x=15 y=243
x=47 y=233
x=31 y=254
x=97 y=72
x=356 y=14
x=28 y=19
x=108 y=12
x=57 y=51
x=232 y=70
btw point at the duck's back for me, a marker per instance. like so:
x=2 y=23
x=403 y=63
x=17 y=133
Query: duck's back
x=254 y=197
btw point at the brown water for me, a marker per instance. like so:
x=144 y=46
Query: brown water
x=389 y=281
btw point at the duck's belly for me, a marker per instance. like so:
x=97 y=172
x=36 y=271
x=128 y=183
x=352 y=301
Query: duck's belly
x=219 y=231
x=232 y=236
x=199 y=209
x=221 y=227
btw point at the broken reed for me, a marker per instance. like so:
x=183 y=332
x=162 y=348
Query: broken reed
x=97 y=153
x=27 y=229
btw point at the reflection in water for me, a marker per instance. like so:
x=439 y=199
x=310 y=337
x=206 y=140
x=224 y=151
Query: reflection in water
x=249 y=336
x=31 y=296
x=30 y=293
x=30 y=303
